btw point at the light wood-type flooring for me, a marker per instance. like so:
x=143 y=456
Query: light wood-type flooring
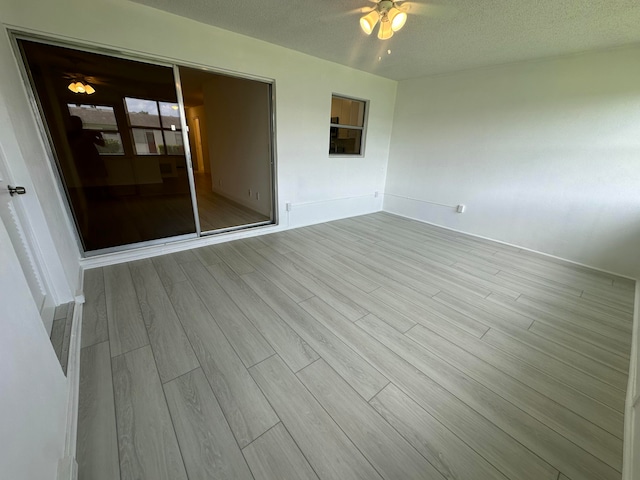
x=366 y=348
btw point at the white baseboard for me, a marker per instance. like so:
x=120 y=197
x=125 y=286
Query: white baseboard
x=631 y=455
x=67 y=466
x=176 y=246
x=544 y=254
x=67 y=469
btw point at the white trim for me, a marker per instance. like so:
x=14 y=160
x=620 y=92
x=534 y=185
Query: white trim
x=631 y=445
x=317 y=202
x=67 y=466
x=419 y=200
x=47 y=313
x=174 y=246
x=67 y=469
x=609 y=272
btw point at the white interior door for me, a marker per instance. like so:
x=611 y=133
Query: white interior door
x=33 y=390
x=11 y=211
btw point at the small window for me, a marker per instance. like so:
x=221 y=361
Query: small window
x=347 y=126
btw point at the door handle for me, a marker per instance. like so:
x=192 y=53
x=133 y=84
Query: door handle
x=16 y=190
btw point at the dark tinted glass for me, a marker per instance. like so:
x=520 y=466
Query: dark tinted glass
x=115 y=129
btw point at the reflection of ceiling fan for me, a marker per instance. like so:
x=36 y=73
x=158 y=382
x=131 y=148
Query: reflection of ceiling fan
x=80 y=83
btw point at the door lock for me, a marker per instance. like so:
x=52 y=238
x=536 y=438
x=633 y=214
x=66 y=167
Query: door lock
x=16 y=190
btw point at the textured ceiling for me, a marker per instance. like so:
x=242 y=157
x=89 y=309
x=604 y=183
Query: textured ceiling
x=440 y=36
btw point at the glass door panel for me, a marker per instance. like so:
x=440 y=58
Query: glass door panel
x=114 y=125
x=230 y=140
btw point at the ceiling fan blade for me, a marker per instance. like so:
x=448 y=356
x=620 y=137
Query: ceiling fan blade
x=350 y=13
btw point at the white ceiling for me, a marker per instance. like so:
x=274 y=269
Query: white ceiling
x=440 y=36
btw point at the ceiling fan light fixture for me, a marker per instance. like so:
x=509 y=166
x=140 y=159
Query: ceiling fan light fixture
x=391 y=18
x=81 y=87
x=397 y=18
x=385 y=32
x=369 y=21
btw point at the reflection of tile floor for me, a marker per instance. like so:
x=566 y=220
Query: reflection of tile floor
x=61 y=333
x=126 y=219
x=217 y=212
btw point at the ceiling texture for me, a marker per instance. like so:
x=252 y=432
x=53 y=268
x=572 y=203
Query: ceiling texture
x=440 y=36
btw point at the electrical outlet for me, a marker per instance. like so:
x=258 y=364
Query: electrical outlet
x=288 y=207
x=375 y=194
x=460 y=208
x=249 y=193
x=257 y=195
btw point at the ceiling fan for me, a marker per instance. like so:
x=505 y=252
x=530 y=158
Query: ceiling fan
x=391 y=16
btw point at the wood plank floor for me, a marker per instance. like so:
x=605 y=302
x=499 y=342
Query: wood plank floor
x=370 y=347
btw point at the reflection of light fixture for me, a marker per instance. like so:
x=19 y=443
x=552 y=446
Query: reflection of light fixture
x=175 y=107
x=391 y=18
x=81 y=87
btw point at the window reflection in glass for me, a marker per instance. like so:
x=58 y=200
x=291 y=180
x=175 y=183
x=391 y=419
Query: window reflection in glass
x=173 y=141
x=102 y=119
x=163 y=135
x=170 y=114
x=148 y=142
x=142 y=113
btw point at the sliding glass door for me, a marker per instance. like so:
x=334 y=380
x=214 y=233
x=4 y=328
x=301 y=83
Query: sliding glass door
x=229 y=123
x=123 y=145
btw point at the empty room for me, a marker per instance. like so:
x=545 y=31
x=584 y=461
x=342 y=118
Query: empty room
x=319 y=240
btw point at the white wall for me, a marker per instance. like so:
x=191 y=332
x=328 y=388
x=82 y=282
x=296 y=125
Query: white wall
x=303 y=86
x=33 y=390
x=239 y=132
x=545 y=155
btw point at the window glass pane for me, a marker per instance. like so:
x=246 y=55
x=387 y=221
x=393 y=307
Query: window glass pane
x=174 y=142
x=112 y=144
x=345 y=111
x=94 y=117
x=142 y=113
x=170 y=114
x=345 y=140
x=147 y=142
